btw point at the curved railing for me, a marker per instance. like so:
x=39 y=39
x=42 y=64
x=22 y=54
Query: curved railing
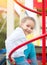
x=40 y=13
x=23 y=44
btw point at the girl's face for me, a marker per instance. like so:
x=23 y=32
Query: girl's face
x=28 y=26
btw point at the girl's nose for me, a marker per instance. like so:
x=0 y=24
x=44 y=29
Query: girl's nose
x=29 y=30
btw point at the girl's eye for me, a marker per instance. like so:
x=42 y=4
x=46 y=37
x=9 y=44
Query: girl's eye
x=32 y=28
x=28 y=26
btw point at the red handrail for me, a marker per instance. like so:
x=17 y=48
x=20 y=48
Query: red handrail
x=40 y=13
x=23 y=44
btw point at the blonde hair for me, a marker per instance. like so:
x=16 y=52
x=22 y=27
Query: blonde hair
x=27 y=18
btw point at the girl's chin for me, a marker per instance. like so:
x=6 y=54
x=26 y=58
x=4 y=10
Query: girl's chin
x=28 y=33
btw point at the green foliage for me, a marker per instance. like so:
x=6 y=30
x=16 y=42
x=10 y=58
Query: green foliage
x=2 y=40
x=3 y=32
x=16 y=21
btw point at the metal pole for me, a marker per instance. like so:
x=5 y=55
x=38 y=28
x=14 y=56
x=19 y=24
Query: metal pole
x=43 y=31
x=10 y=17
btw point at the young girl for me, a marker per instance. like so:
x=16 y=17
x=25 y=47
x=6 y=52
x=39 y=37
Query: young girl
x=20 y=56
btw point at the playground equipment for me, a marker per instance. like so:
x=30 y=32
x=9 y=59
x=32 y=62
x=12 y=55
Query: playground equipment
x=43 y=33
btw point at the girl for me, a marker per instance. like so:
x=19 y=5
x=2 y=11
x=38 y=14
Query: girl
x=20 y=56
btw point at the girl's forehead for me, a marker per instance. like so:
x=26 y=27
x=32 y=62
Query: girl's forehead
x=29 y=21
